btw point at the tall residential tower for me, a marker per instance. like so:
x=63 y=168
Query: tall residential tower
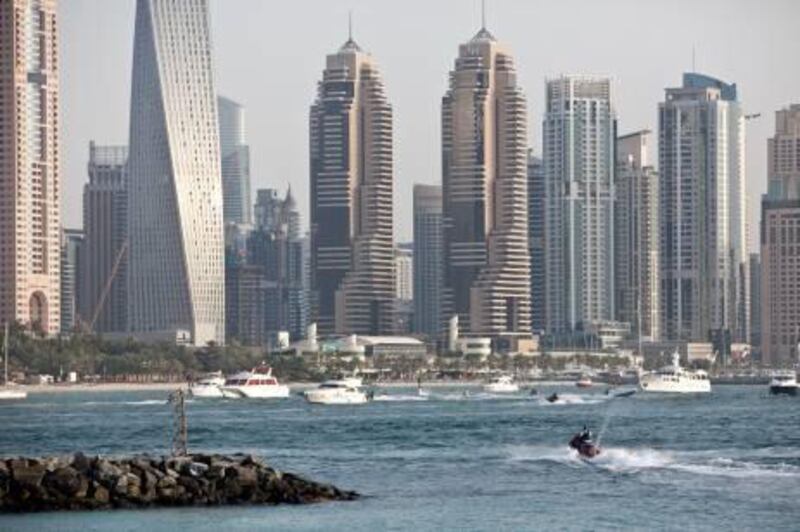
x=234 y=162
x=427 y=261
x=780 y=244
x=704 y=279
x=579 y=135
x=30 y=179
x=176 y=239
x=351 y=163
x=485 y=192
x=636 y=237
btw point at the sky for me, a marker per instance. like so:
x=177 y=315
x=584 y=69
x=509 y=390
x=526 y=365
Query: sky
x=269 y=56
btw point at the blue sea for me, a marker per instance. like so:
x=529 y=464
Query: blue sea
x=729 y=460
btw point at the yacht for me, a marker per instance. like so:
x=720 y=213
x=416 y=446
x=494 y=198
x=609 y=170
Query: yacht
x=256 y=384
x=675 y=379
x=501 y=384
x=783 y=383
x=337 y=392
x=584 y=382
x=209 y=385
x=7 y=391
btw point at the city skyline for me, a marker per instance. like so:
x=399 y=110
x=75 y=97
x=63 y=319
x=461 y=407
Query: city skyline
x=639 y=75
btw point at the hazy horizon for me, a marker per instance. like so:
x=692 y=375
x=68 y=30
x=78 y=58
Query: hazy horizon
x=269 y=57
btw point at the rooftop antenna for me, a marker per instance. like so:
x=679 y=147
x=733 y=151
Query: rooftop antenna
x=693 y=64
x=483 y=14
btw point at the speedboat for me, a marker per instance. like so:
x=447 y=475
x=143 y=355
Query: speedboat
x=501 y=384
x=675 y=379
x=582 y=442
x=209 y=385
x=338 y=392
x=256 y=384
x=584 y=382
x=783 y=383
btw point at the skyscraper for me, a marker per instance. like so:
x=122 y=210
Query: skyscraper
x=404 y=266
x=636 y=237
x=351 y=163
x=235 y=163
x=276 y=246
x=755 y=305
x=428 y=264
x=704 y=279
x=485 y=192
x=30 y=224
x=176 y=240
x=537 y=202
x=780 y=244
x=71 y=265
x=105 y=222
x=579 y=135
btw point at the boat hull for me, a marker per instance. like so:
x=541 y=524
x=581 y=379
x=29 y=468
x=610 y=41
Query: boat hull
x=358 y=398
x=501 y=388
x=206 y=392
x=783 y=390
x=12 y=395
x=657 y=385
x=255 y=392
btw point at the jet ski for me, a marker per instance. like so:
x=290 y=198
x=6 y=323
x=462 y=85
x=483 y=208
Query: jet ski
x=582 y=442
x=552 y=398
x=626 y=393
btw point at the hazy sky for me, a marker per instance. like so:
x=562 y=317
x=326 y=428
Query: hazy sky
x=269 y=56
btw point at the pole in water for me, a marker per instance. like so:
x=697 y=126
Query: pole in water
x=180 y=435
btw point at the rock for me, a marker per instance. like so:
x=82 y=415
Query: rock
x=106 y=472
x=78 y=482
x=245 y=476
x=65 y=480
x=100 y=493
x=81 y=463
x=29 y=475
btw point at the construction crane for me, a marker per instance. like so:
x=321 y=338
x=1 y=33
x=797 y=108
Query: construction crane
x=107 y=287
x=752 y=116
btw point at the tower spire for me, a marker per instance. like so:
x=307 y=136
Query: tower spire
x=350 y=26
x=483 y=14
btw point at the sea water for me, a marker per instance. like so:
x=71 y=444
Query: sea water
x=456 y=459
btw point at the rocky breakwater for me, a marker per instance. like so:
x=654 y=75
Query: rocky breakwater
x=88 y=483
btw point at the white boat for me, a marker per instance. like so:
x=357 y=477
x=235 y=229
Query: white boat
x=783 y=383
x=208 y=386
x=7 y=391
x=337 y=392
x=501 y=384
x=256 y=384
x=675 y=379
x=584 y=382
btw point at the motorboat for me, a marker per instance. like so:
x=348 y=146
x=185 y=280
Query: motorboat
x=336 y=392
x=584 y=382
x=552 y=398
x=501 y=384
x=583 y=443
x=256 y=384
x=675 y=379
x=9 y=392
x=784 y=383
x=208 y=386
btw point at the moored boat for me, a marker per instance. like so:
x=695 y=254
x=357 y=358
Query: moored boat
x=784 y=383
x=7 y=391
x=675 y=379
x=256 y=384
